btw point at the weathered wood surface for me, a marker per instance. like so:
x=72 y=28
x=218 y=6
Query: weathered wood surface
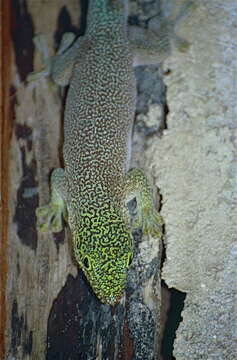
x=5 y=127
x=51 y=311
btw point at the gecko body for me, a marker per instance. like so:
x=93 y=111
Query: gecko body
x=98 y=124
x=92 y=191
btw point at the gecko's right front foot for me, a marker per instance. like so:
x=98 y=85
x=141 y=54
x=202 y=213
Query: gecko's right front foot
x=50 y=217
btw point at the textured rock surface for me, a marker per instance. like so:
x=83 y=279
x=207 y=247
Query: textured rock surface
x=196 y=172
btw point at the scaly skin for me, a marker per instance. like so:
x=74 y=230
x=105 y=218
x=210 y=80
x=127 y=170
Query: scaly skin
x=98 y=122
x=92 y=192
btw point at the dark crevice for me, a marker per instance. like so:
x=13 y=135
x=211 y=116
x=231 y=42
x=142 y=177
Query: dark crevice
x=21 y=336
x=173 y=319
x=166 y=112
x=64 y=23
x=171 y=308
x=27 y=194
x=163 y=252
x=22 y=30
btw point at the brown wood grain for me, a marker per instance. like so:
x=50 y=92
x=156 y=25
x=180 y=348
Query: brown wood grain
x=5 y=126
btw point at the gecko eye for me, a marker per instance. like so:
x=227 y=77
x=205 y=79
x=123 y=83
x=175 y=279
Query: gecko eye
x=129 y=259
x=86 y=262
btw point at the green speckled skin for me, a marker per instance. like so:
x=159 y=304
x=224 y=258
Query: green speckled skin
x=92 y=191
x=98 y=124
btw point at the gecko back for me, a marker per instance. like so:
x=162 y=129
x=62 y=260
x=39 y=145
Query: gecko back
x=97 y=129
x=100 y=103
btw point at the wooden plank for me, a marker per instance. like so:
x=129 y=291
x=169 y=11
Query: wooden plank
x=5 y=60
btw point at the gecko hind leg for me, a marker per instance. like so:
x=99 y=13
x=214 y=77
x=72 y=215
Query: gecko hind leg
x=41 y=45
x=51 y=62
x=152 y=45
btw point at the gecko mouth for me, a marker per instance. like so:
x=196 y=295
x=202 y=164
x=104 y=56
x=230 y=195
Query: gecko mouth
x=113 y=300
x=112 y=295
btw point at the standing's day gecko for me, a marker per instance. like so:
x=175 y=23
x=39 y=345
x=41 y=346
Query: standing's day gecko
x=92 y=191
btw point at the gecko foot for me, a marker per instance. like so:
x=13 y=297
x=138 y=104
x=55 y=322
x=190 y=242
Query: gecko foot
x=150 y=221
x=48 y=61
x=50 y=217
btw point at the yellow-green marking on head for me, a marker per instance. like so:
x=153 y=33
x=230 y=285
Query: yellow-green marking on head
x=103 y=248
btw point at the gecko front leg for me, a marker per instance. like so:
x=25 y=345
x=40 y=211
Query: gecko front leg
x=137 y=186
x=50 y=216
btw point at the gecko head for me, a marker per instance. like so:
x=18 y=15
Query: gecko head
x=103 y=248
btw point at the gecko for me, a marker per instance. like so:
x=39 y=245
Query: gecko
x=92 y=191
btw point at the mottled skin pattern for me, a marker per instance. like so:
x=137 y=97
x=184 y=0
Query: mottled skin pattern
x=92 y=191
x=98 y=122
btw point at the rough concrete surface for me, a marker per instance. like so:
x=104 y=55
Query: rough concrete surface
x=195 y=167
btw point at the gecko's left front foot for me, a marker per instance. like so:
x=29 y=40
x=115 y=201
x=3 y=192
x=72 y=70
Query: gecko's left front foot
x=136 y=185
x=150 y=221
